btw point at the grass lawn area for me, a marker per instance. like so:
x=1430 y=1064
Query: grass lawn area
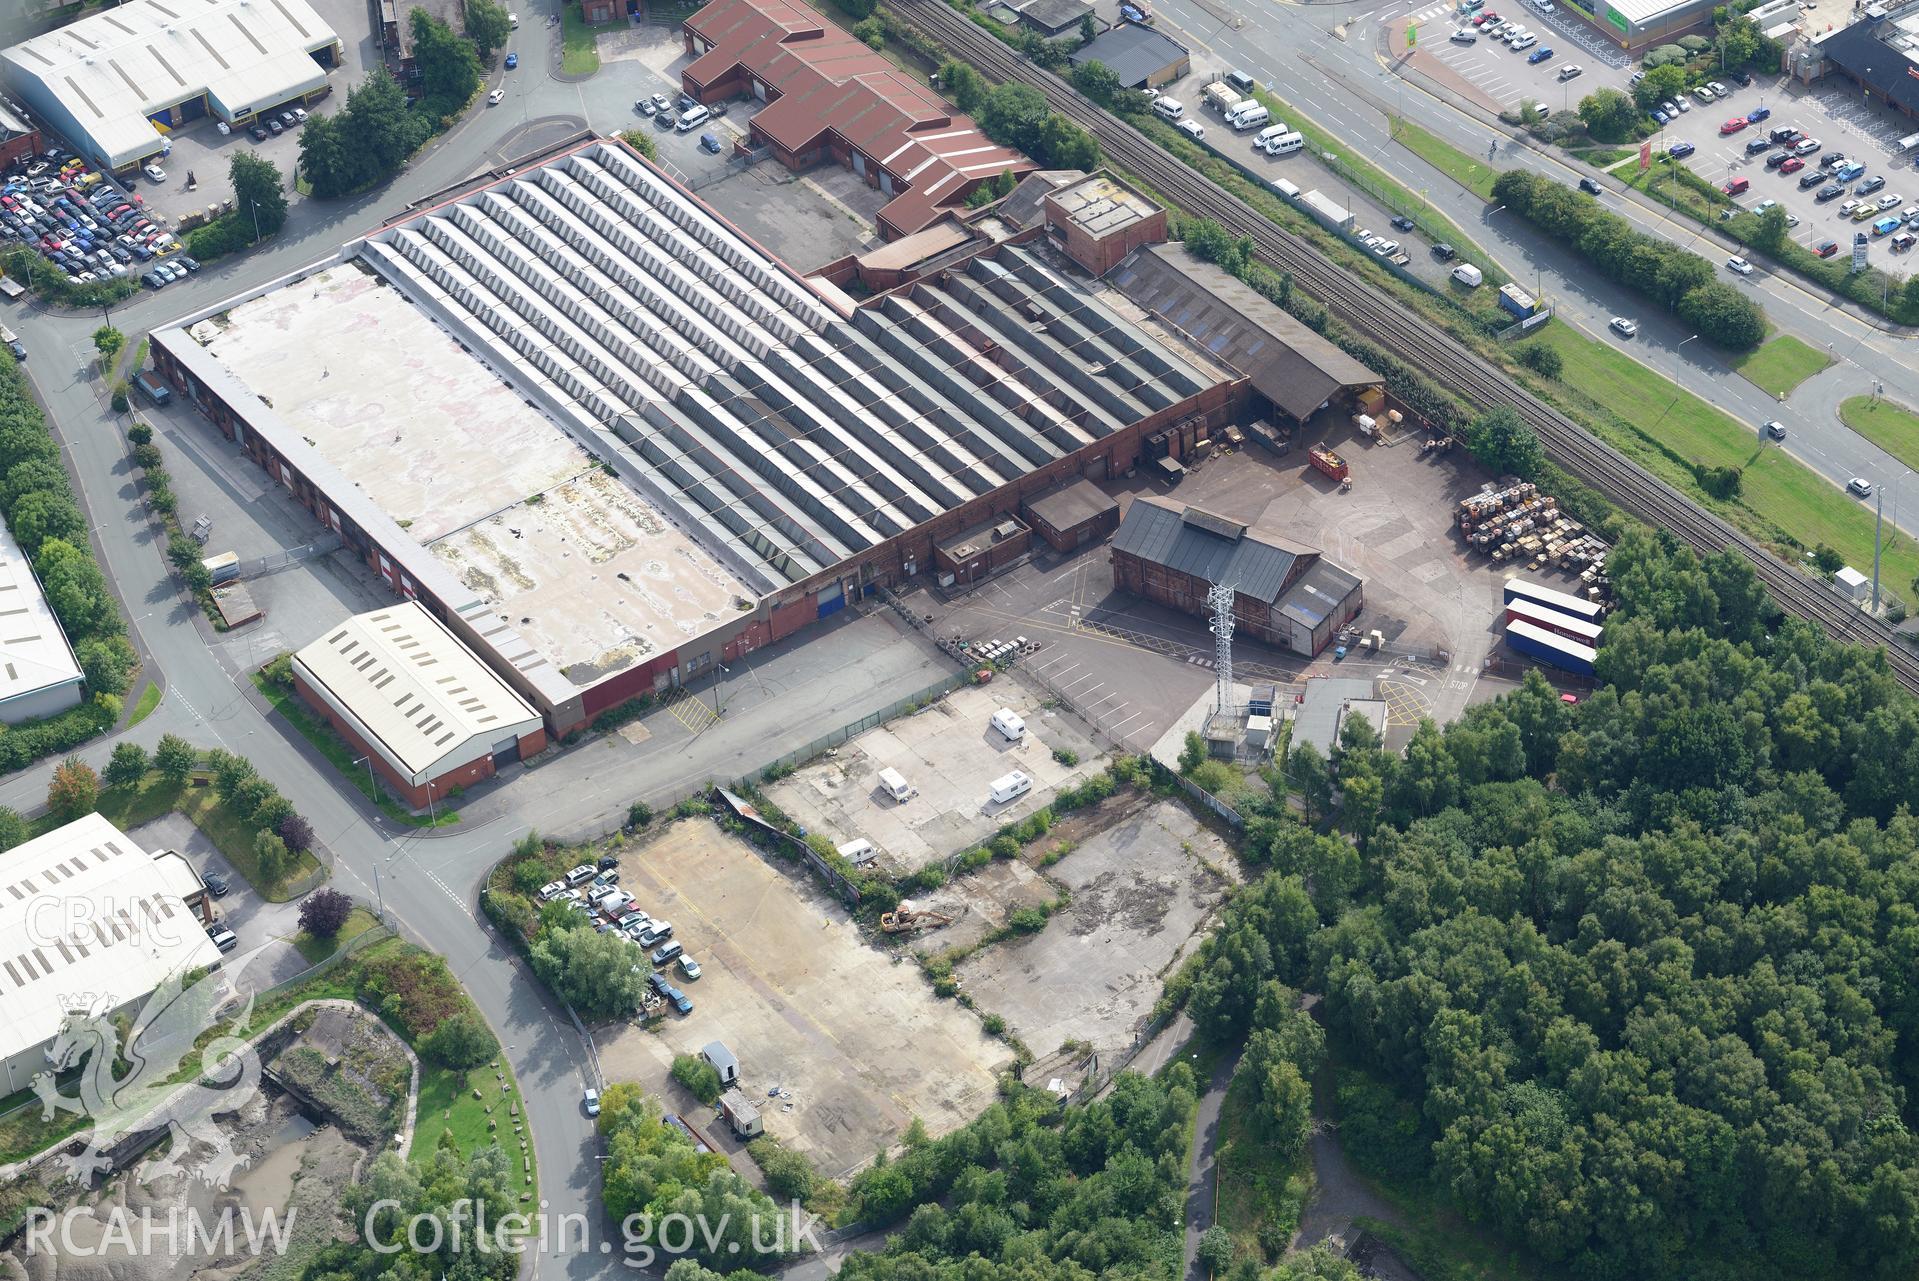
x=1892 y=427
x=149 y=699
x=1665 y=428
x=578 y=56
x=1780 y=365
x=344 y=758
x=316 y=950
x=1259 y=1190
x=1475 y=176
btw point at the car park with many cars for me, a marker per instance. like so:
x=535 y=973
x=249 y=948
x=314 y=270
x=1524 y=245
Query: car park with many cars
x=81 y=222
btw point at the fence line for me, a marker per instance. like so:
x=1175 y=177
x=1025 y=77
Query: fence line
x=359 y=942
x=824 y=742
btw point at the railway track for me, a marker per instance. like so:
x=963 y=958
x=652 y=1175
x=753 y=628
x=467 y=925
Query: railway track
x=1437 y=353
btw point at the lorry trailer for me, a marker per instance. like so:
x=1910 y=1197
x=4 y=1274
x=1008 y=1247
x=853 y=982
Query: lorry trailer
x=1550 y=648
x=1564 y=602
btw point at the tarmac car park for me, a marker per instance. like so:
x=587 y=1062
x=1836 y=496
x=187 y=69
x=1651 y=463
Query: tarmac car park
x=78 y=219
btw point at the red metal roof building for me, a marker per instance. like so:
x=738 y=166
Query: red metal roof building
x=827 y=94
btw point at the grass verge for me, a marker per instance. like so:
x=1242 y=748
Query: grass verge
x=149 y=699
x=315 y=950
x=579 y=54
x=1475 y=176
x=1892 y=427
x=343 y=758
x=1668 y=429
x=1781 y=365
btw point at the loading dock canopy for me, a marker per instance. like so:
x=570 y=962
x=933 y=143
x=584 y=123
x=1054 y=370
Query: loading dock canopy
x=1285 y=361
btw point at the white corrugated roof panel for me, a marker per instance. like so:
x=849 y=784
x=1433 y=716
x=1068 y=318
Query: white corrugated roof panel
x=88 y=921
x=114 y=69
x=34 y=654
x=421 y=696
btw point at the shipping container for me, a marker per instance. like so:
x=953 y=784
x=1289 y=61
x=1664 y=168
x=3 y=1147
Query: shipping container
x=1517 y=301
x=1577 y=606
x=1576 y=629
x=1551 y=649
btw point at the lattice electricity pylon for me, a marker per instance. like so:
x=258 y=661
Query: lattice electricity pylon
x=1220 y=598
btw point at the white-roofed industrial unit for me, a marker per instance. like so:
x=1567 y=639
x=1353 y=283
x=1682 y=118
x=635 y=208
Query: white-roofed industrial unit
x=38 y=673
x=413 y=693
x=105 y=80
x=89 y=922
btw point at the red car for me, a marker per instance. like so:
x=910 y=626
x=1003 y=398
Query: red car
x=1482 y=19
x=1732 y=126
x=1736 y=186
x=1793 y=165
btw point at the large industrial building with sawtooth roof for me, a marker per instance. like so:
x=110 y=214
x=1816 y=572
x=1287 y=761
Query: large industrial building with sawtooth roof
x=610 y=442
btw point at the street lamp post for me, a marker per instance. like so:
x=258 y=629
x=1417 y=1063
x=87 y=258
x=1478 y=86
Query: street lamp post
x=371 y=781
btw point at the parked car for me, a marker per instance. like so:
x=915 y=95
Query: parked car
x=1831 y=191
x=1538 y=56
x=1624 y=327
x=1680 y=150
x=275 y=128
x=495 y=98
x=1826 y=248
x=689 y=967
x=155 y=172
x=591 y=1101
x=1778 y=158
x=1888 y=201
x=710 y=144
x=512 y=61
x=1444 y=252
x=1703 y=93
x=1757 y=113
x=1756 y=145
x=1812 y=178
x=1571 y=71
x=1735 y=186
x=1732 y=126
x=1402 y=223
x=223 y=938
x=216 y=884
x=1793 y=164
x=1719 y=90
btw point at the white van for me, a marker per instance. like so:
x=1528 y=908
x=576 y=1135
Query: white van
x=1192 y=129
x=1009 y=787
x=1008 y=723
x=1168 y=108
x=1468 y=275
x=513 y=21
x=693 y=120
x=894 y=784
x=1286 y=144
x=1269 y=133
x=1287 y=189
x=1249 y=115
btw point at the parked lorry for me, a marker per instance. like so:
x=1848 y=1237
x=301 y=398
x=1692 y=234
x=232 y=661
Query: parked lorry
x=1329 y=462
x=1221 y=98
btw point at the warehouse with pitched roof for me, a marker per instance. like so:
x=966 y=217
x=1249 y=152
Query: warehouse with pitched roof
x=114 y=82
x=1284 y=594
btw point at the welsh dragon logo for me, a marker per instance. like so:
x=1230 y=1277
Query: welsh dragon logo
x=154 y=1090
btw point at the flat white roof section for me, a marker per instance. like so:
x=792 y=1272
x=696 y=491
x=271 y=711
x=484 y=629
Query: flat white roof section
x=114 y=69
x=88 y=920
x=35 y=659
x=424 y=700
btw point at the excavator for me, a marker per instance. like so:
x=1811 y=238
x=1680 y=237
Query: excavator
x=907 y=919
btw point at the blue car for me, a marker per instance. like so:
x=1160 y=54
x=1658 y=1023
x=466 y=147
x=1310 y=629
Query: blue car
x=1680 y=150
x=1659 y=117
x=1539 y=55
x=1757 y=114
x=512 y=61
